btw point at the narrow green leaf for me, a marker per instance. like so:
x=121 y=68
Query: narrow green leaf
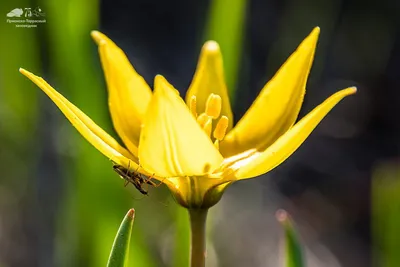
x=293 y=251
x=120 y=249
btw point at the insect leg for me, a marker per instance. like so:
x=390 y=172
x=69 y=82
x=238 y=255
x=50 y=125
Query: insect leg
x=129 y=164
x=150 y=181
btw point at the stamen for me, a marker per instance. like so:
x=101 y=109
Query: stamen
x=208 y=127
x=220 y=129
x=202 y=119
x=213 y=106
x=205 y=123
x=193 y=105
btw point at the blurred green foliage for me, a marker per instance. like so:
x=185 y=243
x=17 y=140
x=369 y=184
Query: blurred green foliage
x=226 y=25
x=18 y=126
x=386 y=215
x=182 y=237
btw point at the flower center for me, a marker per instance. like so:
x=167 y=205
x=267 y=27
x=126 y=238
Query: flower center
x=212 y=112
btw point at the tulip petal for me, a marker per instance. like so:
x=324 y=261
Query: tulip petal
x=209 y=79
x=279 y=151
x=277 y=106
x=171 y=142
x=102 y=141
x=129 y=94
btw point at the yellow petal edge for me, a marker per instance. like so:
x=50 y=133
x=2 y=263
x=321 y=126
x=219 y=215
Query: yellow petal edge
x=278 y=103
x=129 y=94
x=291 y=140
x=103 y=142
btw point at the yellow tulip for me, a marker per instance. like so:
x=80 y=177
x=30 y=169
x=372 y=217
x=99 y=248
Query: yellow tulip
x=192 y=146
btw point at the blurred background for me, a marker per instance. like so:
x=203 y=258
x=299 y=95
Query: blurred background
x=61 y=203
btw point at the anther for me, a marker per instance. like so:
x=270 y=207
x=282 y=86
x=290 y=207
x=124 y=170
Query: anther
x=220 y=128
x=213 y=106
x=202 y=119
x=208 y=127
x=193 y=106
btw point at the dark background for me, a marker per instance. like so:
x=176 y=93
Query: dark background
x=60 y=202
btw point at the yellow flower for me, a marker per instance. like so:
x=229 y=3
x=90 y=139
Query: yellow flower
x=193 y=147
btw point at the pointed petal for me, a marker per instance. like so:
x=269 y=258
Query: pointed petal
x=129 y=94
x=290 y=141
x=276 y=108
x=103 y=142
x=209 y=79
x=171 y=142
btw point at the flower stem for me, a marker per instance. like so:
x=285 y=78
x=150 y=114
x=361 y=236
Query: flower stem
x=198 y=218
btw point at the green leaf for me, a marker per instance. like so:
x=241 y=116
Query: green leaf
x=226 y=24
x=120 y=249
x=385 y=207
x=293 y=250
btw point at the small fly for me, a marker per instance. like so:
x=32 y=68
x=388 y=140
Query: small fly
x=134 y=177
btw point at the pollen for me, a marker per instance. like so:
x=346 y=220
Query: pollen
x=213 y=106
x=208 y=127
x=193 y=106
x=220 y=128
x=205 y=123
x=202 y=119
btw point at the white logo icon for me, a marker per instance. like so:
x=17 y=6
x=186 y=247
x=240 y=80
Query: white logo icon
x=28 y=12
x=16 y=12
x=38 y=12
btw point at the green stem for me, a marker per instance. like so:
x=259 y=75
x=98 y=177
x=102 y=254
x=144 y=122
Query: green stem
x=198 y=218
